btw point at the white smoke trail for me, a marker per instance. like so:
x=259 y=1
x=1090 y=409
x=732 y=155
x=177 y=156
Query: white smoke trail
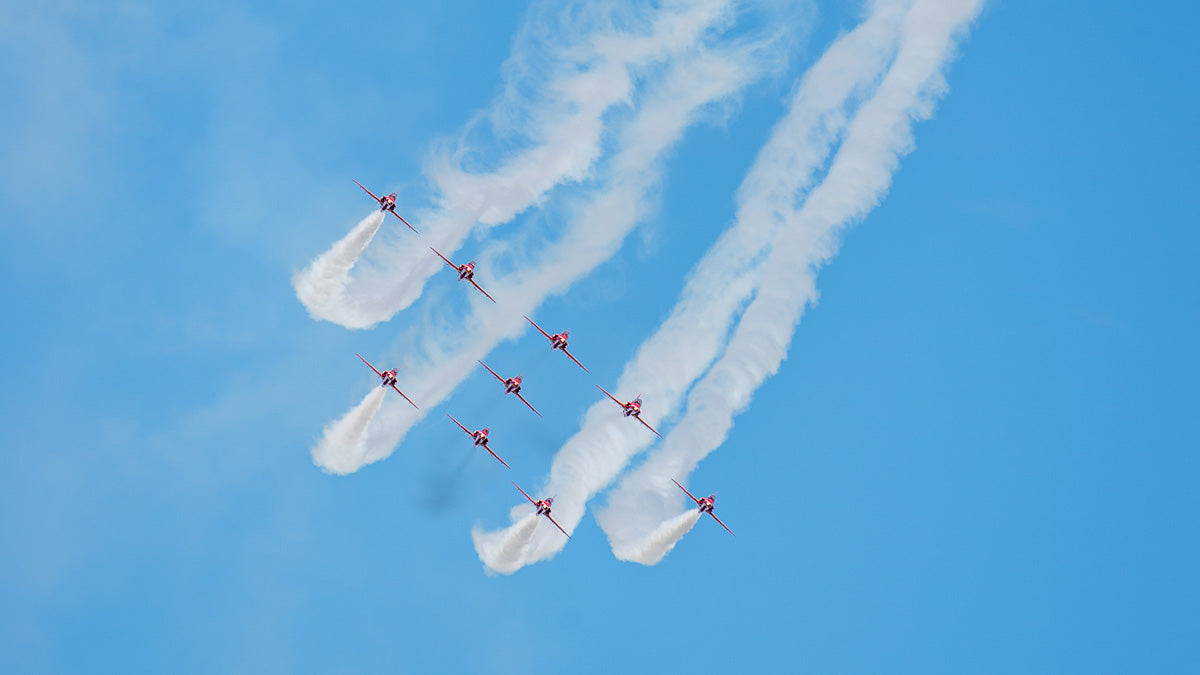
x=656 y=545
x=322 y=285
x=344 y=441
x=503 y=551
x=445 y=355
x=858 y=179
x=693 y=335
x=593 y=53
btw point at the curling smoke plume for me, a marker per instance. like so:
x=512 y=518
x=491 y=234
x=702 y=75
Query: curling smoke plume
x=858 y=178
x=656 y=545
x=667 y=364
x=322 y=286
x=343 y=446
x=594 y=54
x=503 y=551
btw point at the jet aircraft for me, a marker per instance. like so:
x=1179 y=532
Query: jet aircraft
x=557 y=341
x=543 y=508
x=465 y=272
x=480 y=437
x=632 y=409
x=388 y=377
x=387 y=203
x=705 y=505
x=512 y=385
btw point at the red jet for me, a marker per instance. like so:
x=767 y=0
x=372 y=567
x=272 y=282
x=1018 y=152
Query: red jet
x=706 y=505
x=512 y=385
x=481 y=439
x=387 y=203
x=465 y=272
x=543 y=508
x=557 y=341
x=632 y=409
x=389 y=379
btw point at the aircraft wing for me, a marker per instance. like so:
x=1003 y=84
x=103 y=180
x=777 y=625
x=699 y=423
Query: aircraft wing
x=614 y=398
x=527 y=403
x=539 y=328
x=485 y=447
x=575 y=360
x=368 y=192
x=480 y=289
x=560 y=527
x=686 y=492
x=443 y=257
x=639 y=418
x=720 y=523
x=491 y=371
x=406 y=398
x=460 y=426
x=403 y=220
x=369 y=365
x=531 y=499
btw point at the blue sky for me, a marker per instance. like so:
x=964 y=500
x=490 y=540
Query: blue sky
x=979 y=456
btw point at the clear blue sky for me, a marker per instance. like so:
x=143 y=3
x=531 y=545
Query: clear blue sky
x=980 y=456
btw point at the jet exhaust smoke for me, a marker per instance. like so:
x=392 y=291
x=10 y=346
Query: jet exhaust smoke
x=445 y=353
x=503 y=551
x=692 y=337
x=571 y=67
x=322 y=286
x=857 y=180
x=656 y=545
x=343 y=446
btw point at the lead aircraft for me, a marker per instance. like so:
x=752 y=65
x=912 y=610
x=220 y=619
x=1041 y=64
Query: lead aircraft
x=706 y=505
x=387 y=203
x=388 y=377
x=543 y=507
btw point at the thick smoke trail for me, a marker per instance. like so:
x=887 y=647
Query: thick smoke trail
x=859 y=177
x=322 y=285
x=594 y=55
x=693 y=335
x=503 y=551
x=656 y=545
x=344 y=441
x=446 y=355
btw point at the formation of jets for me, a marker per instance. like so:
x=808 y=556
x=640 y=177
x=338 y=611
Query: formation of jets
x=512 y=385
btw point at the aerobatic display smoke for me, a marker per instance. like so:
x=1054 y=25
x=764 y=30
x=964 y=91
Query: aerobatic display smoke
x=667 y=364
x=598 y=97
x=322 y=285
x=446 y=355
x=343 y=445
x=857 y=180
x=656 y=545
x=592 y=55
x=503 y=551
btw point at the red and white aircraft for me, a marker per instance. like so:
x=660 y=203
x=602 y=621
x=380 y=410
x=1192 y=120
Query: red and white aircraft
x=465 y=272
x=706 y=505
x=543 y=508
x=481 y=439
x=389 y=379
x=557 y=341
x=512 y=385
x=387 y=203
x=632 y=409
